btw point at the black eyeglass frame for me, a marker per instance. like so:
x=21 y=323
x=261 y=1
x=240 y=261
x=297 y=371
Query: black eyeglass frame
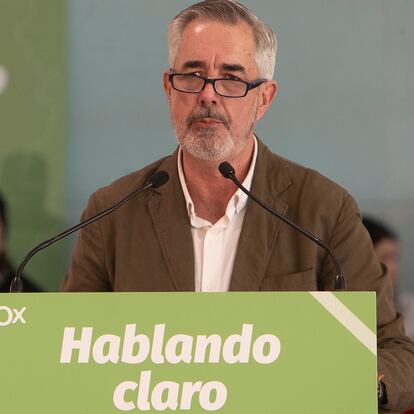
x=249 y=85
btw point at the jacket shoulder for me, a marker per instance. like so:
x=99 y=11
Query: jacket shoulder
x=306 y=180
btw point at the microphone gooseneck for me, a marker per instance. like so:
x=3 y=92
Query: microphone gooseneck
x=227 y=171
x=156 y=180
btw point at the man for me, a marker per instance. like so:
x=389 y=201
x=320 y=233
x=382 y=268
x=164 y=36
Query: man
x=385 y=243
x=6 y=270
x=197 y=232
x=386 y=247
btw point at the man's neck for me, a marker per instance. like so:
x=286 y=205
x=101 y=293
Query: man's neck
x=209 y=190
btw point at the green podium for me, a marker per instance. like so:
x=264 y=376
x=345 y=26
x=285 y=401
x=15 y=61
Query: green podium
x=247 y=352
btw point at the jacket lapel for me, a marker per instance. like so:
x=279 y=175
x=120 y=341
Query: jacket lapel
x=260 y=229
x=170 y=218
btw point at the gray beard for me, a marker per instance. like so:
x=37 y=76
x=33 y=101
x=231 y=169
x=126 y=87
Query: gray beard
x=205 y=144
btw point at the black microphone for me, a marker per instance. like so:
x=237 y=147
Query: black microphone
x=154 y=181
x=227 y=171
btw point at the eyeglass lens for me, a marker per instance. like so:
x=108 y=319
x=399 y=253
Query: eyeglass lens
x=227 y=87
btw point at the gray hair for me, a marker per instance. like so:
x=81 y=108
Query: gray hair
x=228 y=12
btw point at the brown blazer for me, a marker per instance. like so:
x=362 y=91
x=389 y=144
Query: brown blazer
x=146 y=245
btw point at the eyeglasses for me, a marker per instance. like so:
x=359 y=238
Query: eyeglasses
x=229 y=88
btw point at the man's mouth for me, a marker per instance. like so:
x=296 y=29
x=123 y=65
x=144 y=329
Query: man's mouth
x=207 y=121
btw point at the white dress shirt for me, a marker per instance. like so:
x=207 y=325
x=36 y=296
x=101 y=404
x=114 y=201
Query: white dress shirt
x=215 y=245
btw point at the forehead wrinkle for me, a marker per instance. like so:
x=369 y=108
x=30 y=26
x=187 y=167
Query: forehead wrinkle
x=218 y=47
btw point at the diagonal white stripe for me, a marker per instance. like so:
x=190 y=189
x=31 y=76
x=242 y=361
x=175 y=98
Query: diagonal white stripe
x=340 y=312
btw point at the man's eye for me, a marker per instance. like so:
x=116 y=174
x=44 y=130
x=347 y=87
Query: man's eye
x=196 y=74
x=232 y=77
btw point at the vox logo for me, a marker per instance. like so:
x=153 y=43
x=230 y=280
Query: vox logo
x=11 y=316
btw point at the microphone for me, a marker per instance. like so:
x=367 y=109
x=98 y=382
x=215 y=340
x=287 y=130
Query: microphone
x=227 y=171
x=154 y=181
x=158 y=179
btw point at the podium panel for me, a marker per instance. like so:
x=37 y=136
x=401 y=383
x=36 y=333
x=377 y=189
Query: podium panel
x=242 y=352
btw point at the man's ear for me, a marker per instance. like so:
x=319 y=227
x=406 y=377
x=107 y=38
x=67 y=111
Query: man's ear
x=167 y=84
x=268 y=92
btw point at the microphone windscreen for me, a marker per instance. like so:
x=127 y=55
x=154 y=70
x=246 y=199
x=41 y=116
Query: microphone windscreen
x=226 y=169
x=158 y=179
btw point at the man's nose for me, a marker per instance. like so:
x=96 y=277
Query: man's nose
x=208 y=95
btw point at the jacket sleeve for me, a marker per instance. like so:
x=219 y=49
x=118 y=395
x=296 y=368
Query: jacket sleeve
x=363 y=272
x=87 y=270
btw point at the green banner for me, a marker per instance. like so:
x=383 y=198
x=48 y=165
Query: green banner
x=32 y=58
x=188 y=352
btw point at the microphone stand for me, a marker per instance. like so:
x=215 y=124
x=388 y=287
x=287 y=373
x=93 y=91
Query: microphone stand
x=156 y=180
x=227 y=171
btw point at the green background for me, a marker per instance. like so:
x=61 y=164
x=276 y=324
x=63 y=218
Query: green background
x=32 y=152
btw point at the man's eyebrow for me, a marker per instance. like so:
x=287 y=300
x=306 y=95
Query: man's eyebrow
x=233 y=67
x=193 y=64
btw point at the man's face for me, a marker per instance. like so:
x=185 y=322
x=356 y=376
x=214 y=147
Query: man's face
x=209 y=126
